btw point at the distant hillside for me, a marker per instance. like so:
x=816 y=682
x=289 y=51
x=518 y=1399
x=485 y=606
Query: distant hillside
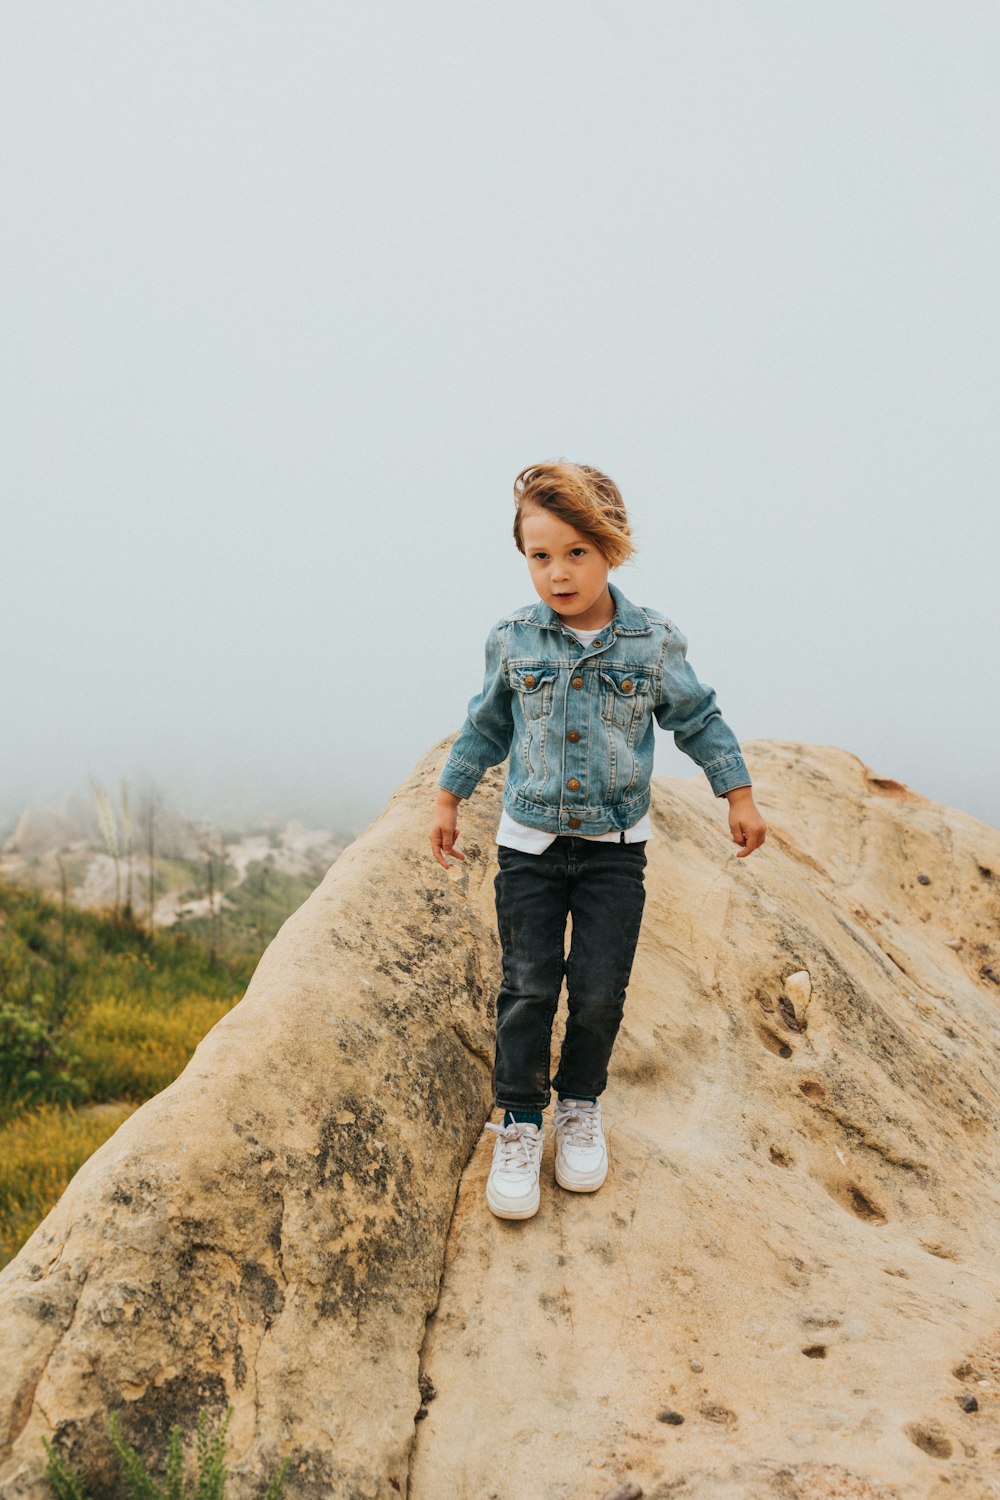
x=151 y=862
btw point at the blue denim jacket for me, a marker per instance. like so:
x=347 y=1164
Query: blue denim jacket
x=577 y=721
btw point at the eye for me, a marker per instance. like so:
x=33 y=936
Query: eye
x=579 y=551
x=539 y=555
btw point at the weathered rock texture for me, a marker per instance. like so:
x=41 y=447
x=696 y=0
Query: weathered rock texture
x=796 y=1251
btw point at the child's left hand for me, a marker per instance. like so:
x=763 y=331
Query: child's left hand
x=745 y=822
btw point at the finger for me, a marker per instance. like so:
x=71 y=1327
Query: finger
x=436 y=847
x=754 y=842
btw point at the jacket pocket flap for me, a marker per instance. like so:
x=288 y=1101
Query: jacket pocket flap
x=530 y=679
x=624 y=683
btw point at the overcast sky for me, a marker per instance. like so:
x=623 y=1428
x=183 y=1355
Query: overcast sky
x=290 y=293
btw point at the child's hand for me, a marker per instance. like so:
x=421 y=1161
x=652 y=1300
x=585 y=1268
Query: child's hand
x=745 y=822
x=444 y=828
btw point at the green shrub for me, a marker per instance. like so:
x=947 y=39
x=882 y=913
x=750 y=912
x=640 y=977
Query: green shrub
x=212 y=1472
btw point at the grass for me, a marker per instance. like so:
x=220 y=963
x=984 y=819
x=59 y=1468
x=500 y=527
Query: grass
x=93 y=1010
x=40 y=1152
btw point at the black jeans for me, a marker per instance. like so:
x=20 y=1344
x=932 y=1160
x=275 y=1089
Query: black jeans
x=602 y=884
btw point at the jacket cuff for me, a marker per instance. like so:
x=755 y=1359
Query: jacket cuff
x=726 y=775
x=458 y=778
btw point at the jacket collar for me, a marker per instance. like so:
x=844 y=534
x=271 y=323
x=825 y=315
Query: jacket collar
x=628 y=620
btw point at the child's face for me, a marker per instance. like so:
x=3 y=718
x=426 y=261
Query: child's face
x=568 y=571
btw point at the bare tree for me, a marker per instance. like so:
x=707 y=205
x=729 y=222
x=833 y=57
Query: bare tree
x=262 y=892
x=215 y=882
x=127 y=830
x=62 y=972
x=217 y=943
x=150 y=820
x=109 y=830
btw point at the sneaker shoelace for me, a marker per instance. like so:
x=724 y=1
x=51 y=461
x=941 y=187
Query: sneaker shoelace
x=519 y=1145
x=577 y=1123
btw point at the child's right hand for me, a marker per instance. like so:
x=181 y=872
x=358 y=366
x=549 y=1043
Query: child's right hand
x=444 y=828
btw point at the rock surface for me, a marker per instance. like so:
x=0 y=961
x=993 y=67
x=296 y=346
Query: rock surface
x=795 y=1252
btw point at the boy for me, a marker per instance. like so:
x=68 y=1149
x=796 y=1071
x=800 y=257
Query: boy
x=572 y=686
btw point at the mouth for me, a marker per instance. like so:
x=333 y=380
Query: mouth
x=564 y=597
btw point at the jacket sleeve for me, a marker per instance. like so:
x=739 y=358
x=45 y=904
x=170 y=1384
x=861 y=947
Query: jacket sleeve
x=688 y=708
x=484 y=739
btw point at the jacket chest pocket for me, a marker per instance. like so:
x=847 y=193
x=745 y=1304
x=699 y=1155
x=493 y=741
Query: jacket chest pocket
x=624 y=696
x=534 y=687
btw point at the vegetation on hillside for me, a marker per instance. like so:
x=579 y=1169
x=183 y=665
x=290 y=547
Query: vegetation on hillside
x=97 y=1014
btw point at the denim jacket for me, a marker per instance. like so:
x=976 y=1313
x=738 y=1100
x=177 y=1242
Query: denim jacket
x=577 y=721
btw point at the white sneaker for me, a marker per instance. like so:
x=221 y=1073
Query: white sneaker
x=581 y=1150
x=512 y=1190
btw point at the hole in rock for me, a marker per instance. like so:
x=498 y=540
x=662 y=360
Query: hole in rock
x=929 y=1440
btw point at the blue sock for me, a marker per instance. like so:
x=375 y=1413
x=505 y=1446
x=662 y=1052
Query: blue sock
x=583 y=1098
x=532 y=1116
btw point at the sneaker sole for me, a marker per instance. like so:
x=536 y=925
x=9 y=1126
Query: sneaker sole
x=582 y=1184
x=503 y=1211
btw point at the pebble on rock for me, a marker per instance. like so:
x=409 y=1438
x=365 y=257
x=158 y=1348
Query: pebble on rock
x=798 y=988
x=968 y=1403
x=697 y=1366
x=673 y=1417
x=627 y=1491
x=924 y=879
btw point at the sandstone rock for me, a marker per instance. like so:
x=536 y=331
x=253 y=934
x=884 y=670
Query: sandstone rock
x=297 y=1224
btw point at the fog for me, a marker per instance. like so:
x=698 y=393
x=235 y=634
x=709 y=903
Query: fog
x=292 y=292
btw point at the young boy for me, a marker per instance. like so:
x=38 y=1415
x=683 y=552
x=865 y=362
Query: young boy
x=572 y=686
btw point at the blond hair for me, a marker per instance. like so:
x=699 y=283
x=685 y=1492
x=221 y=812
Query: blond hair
x=581 y=496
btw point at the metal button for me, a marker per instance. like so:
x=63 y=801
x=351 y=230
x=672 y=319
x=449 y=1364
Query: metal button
x=597 y=643
x=573 y=784
x=627 y=686
x=578 y=682
x=573 y=736
x=529 y=682
x=574 y=822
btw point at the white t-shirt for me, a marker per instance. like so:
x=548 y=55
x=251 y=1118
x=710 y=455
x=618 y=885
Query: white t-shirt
x=514 y=835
